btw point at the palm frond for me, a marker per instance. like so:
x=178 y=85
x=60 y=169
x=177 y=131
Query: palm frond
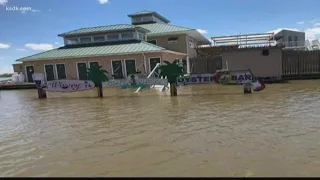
x=167 y=62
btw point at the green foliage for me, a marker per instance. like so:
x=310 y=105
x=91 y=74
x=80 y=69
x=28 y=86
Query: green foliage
x=97 y=75
x=6 y=75
x=171 y=71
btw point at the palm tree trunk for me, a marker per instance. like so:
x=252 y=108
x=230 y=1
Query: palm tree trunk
x=100 y=89
x=173 y=89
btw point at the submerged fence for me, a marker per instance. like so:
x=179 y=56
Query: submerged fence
x=203 y=65
x=300 y=63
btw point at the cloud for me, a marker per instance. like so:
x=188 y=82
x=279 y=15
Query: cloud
x=3 y=2
x=312 y=33
x=6 y=69
x=313 y=21
x=39 y=47
x=21 y=49
x=1 y=58
x=4 y=46
x=35 y=10
x=316 y=24
x=50 y=10
x=56 y=43
x=202 y=31
x=29 y=9
x=279 y=29
x=300 y=22
x=103 y=1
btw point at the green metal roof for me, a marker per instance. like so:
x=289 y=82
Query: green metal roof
x=161 y=28
x=154 y=28
x=100 y=29
x=102 y=50
x=144 y=12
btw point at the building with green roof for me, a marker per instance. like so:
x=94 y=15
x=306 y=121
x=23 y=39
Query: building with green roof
x=121 y=49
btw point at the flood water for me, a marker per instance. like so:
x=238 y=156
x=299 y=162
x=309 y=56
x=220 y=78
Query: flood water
x=208 y=130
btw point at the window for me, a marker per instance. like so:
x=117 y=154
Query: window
x=61 y=71
x=85 y=40
x=82 y=71
x=290 y=41
x=153 y=42
x=157 y=20
x=142 y=19
x=191 y=43
x=72 y=41
x=49 y=72
x=127 y=35
x=142 y=36
x=98 y=39
x=296 y=40
x=130 y=67
x=172 y=40
x=92 y=63
x=113 y=37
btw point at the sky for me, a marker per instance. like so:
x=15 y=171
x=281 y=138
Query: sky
x=31 y=26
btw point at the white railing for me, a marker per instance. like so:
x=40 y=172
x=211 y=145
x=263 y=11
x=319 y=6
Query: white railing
x=149 y=76
x=291 y=44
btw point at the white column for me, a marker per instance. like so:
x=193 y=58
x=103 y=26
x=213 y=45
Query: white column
x=188 y=65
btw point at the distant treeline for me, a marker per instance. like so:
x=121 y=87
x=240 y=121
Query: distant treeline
x=6 y=75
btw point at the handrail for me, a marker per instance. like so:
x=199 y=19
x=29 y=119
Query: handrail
x=151 y=73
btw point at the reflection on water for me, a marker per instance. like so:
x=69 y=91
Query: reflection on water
x=207 y=131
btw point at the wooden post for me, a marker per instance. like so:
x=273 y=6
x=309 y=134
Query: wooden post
x=246 y=88
x=41 y=93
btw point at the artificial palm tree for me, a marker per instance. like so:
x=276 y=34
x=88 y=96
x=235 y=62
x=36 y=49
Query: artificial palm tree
x=97 y=75
x=171 y=71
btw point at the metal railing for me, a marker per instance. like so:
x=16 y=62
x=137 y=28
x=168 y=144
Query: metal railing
x=150 y=75
x=290 y=44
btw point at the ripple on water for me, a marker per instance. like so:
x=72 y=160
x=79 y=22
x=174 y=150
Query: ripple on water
x=207 y=131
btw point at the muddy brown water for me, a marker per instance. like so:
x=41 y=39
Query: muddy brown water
x=208 y=130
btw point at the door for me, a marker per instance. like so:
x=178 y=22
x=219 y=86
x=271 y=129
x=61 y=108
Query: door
x=130 y=67
x=153 y=63
x=117 y=69
x=91 y=64
x=30 y=71
x=49 y=72
x=61 y=71
x=82 y=71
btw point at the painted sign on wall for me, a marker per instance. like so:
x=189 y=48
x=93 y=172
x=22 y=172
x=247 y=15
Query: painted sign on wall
x=236 y=77
x=196 y=79
x=146 y=81
x=68 y=85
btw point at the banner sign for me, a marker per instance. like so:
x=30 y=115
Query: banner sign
x=68 y=85
x=233 y=77
x=145 y=81
x=196 y=79
x=237 y=77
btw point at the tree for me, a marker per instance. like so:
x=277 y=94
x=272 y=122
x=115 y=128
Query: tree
x=97 y=75
x=171 y=71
